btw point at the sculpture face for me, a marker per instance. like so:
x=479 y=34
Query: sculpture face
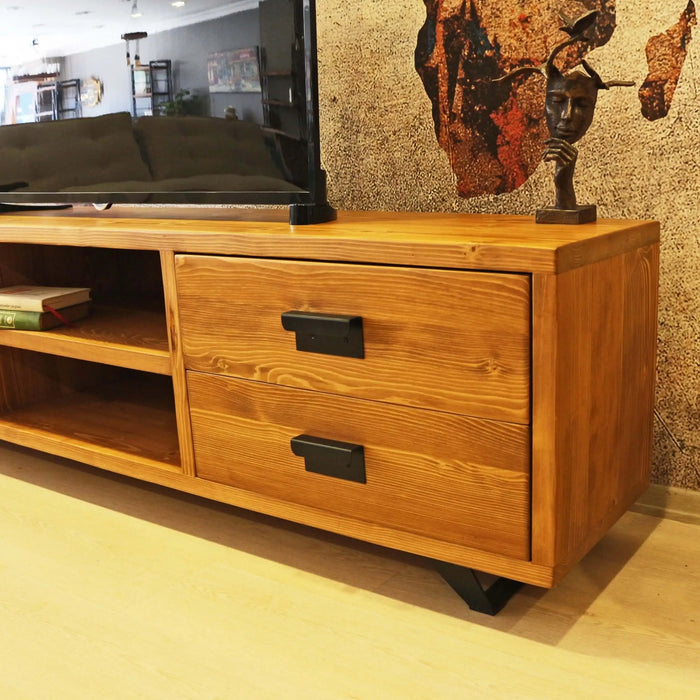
x=569 y=105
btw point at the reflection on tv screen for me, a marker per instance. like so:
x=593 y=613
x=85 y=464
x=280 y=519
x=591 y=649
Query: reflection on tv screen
x=192 y=102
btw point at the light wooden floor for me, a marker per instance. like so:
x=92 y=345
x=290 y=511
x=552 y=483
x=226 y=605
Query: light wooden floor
x=112 y=589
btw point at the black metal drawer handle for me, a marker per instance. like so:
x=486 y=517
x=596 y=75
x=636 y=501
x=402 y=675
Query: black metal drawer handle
x=342 y=460
x=328 y=334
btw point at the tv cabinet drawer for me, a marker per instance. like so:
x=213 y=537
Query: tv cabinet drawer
x=458 y=479
x=441 y=339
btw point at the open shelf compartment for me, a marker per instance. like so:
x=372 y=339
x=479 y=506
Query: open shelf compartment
x=127 y=325
x=106 y=416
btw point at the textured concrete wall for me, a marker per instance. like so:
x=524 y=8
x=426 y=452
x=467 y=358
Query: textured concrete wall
x=381 y=152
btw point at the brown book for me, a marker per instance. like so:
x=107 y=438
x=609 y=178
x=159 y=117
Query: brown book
x=23 y=297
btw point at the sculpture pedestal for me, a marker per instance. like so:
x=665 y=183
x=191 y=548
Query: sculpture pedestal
x=581 y=215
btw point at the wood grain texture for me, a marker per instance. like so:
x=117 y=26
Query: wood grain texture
x=459 y=480
x=182 y=404
x=126 y=327
x=161 y=473
x=116 y=277
x=594 y=335
x=123 y=337
x=449 y=340
x=132 y=421
x=592 y=303
x=475 y=241
x=29 y=378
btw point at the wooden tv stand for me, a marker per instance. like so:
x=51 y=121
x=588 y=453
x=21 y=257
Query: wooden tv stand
x=474 y=389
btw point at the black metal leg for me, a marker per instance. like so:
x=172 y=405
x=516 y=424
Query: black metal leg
x=464 y=581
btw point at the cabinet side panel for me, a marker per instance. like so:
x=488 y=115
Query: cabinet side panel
x=182 y=406
x=545 y=481
x=594 y=334
x=639 y=361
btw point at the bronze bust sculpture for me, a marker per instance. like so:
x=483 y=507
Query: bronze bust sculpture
x=570 y=101
x=569 y=107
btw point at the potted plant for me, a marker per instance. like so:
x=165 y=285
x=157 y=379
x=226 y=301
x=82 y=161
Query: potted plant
x=184 y=103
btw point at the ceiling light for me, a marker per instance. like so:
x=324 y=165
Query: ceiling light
x=178 y=3
x=135 y=10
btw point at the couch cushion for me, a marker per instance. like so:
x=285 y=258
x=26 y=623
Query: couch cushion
x=176 y=147
x=55 y=155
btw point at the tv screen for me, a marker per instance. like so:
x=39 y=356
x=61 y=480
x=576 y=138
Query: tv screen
x=160 y=101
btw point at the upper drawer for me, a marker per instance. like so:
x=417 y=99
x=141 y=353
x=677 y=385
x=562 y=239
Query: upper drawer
x=444 y=339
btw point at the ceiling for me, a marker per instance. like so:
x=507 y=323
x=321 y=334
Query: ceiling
x=33 y=30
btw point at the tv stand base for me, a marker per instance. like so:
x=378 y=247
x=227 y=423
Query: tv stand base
x=304 y=214
x=17 y=208
x=464 y=581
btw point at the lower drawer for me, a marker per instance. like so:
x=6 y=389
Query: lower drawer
x=454 y=478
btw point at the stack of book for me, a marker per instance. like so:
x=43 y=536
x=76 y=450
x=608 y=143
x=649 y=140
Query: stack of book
x=32 y=308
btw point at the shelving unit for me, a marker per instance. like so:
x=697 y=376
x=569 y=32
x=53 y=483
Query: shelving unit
x=141 y=104
x=46 y=102
x=281 y=99
x=358 y=418
x=161 y=84
x=119 y=425
x=151 y=87
x=284 y=119
x=276 y=83
x=68 y=101
x=101 y=390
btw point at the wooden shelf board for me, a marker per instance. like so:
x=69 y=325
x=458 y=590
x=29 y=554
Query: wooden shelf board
x=279 y=103
x=130 y=338
x=450 y=240
x=279 y=132
x=116 y=428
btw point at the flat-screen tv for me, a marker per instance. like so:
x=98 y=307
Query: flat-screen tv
x=161 y=102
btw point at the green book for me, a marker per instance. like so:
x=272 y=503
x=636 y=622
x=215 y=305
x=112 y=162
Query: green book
x=41 y=321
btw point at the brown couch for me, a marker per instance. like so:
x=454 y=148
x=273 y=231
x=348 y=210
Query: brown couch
x=113 y=153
